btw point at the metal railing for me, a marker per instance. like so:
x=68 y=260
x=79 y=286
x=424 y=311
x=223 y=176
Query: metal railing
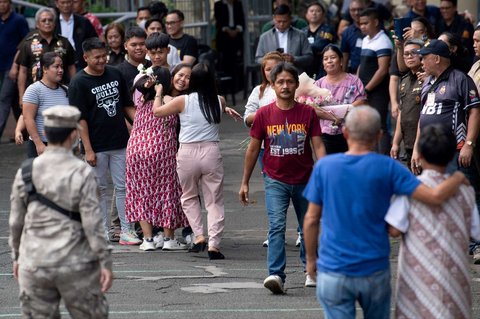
x=200 y=29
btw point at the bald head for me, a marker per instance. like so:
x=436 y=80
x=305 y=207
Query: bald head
x=363 y=124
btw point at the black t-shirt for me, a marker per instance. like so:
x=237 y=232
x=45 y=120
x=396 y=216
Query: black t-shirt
x=101 y=100
x=129 y=72
x=186 y=45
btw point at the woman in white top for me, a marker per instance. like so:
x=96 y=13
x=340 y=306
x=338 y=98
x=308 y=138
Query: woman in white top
x=40 y=96
x=198 y=158
x=262 y=94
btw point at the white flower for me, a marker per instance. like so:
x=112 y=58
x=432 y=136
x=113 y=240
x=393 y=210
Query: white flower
x=149 y=71
x=141 y=68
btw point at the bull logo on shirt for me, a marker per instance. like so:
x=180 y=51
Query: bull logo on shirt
x=109 y=103
x=107 y=96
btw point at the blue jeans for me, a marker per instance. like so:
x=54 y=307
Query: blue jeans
x=114 y=161
x=473 y=177
x=277 y=200
x=337 y=294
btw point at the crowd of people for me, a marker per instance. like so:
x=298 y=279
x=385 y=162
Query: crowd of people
x=149 y=112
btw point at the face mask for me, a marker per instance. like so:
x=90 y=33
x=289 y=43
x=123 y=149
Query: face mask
x=142 y=23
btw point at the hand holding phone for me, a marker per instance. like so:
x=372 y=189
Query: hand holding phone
x=400 y=24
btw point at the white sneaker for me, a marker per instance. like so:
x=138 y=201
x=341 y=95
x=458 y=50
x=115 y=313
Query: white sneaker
x=275 y=284
x=129 y=238
x=299 y=241
x=173 y=244
x=265 y=243
x=158 y=240
x=309 y=282
x=147 y=245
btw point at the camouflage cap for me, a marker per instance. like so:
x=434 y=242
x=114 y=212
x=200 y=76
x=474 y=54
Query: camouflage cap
x=62 y=116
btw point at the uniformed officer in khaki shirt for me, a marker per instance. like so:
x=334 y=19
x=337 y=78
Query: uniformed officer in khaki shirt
x=55 y=256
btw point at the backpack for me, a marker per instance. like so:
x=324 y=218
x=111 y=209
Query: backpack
x=34 y=196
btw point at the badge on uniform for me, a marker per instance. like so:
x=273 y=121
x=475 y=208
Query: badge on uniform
x=359 y=43
x=36 y=47
x=442 y=90
x=59 y=49
x=473 y=96
x=430 y=100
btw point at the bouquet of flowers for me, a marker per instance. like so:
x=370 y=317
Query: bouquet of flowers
x=310 y=94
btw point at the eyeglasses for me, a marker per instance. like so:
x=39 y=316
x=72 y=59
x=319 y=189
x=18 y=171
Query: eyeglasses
x=46 y=20
x=409 y=54
x=356 y=9
x=171 y=22
x=446 y=8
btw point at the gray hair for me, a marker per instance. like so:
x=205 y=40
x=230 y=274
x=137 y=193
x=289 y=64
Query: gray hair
x=363 y=123
x=42 y=10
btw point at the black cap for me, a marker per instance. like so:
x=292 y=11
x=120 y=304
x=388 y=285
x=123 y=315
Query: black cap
x=437 y=47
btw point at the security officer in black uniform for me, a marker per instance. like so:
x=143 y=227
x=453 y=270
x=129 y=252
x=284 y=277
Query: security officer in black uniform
x=35 y=44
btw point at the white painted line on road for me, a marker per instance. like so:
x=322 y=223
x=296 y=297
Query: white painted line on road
x=178 y=270
x=192 y=311
x=146 y=271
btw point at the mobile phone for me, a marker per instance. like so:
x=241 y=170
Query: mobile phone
x=280 y=50
x=400 y=24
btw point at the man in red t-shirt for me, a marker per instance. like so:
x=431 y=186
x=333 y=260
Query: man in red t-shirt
x=286 y=128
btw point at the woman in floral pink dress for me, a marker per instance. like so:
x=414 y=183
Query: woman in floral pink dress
x=153 y=188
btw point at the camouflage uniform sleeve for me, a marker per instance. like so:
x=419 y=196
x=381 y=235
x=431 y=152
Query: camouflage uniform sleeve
x=92 y=220
x=18 y=211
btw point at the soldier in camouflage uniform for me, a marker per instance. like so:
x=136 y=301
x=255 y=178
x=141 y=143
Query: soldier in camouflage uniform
x=38 y=42
x=55 y=256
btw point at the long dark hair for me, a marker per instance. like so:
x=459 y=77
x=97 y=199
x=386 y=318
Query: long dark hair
x=202 y=81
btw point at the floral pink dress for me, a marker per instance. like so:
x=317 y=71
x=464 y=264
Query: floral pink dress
x=152 y=186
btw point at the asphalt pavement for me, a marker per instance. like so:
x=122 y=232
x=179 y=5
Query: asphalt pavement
x=182 y=285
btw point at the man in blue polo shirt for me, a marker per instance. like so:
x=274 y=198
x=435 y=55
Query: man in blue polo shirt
x=13 y=28
x=351 y=44
x=350 y=192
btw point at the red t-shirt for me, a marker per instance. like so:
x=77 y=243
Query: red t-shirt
x=287 y=134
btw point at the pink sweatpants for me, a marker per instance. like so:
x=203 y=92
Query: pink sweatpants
x=202 y=163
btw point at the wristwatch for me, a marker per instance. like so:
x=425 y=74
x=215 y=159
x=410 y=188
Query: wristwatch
x=470 y=143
